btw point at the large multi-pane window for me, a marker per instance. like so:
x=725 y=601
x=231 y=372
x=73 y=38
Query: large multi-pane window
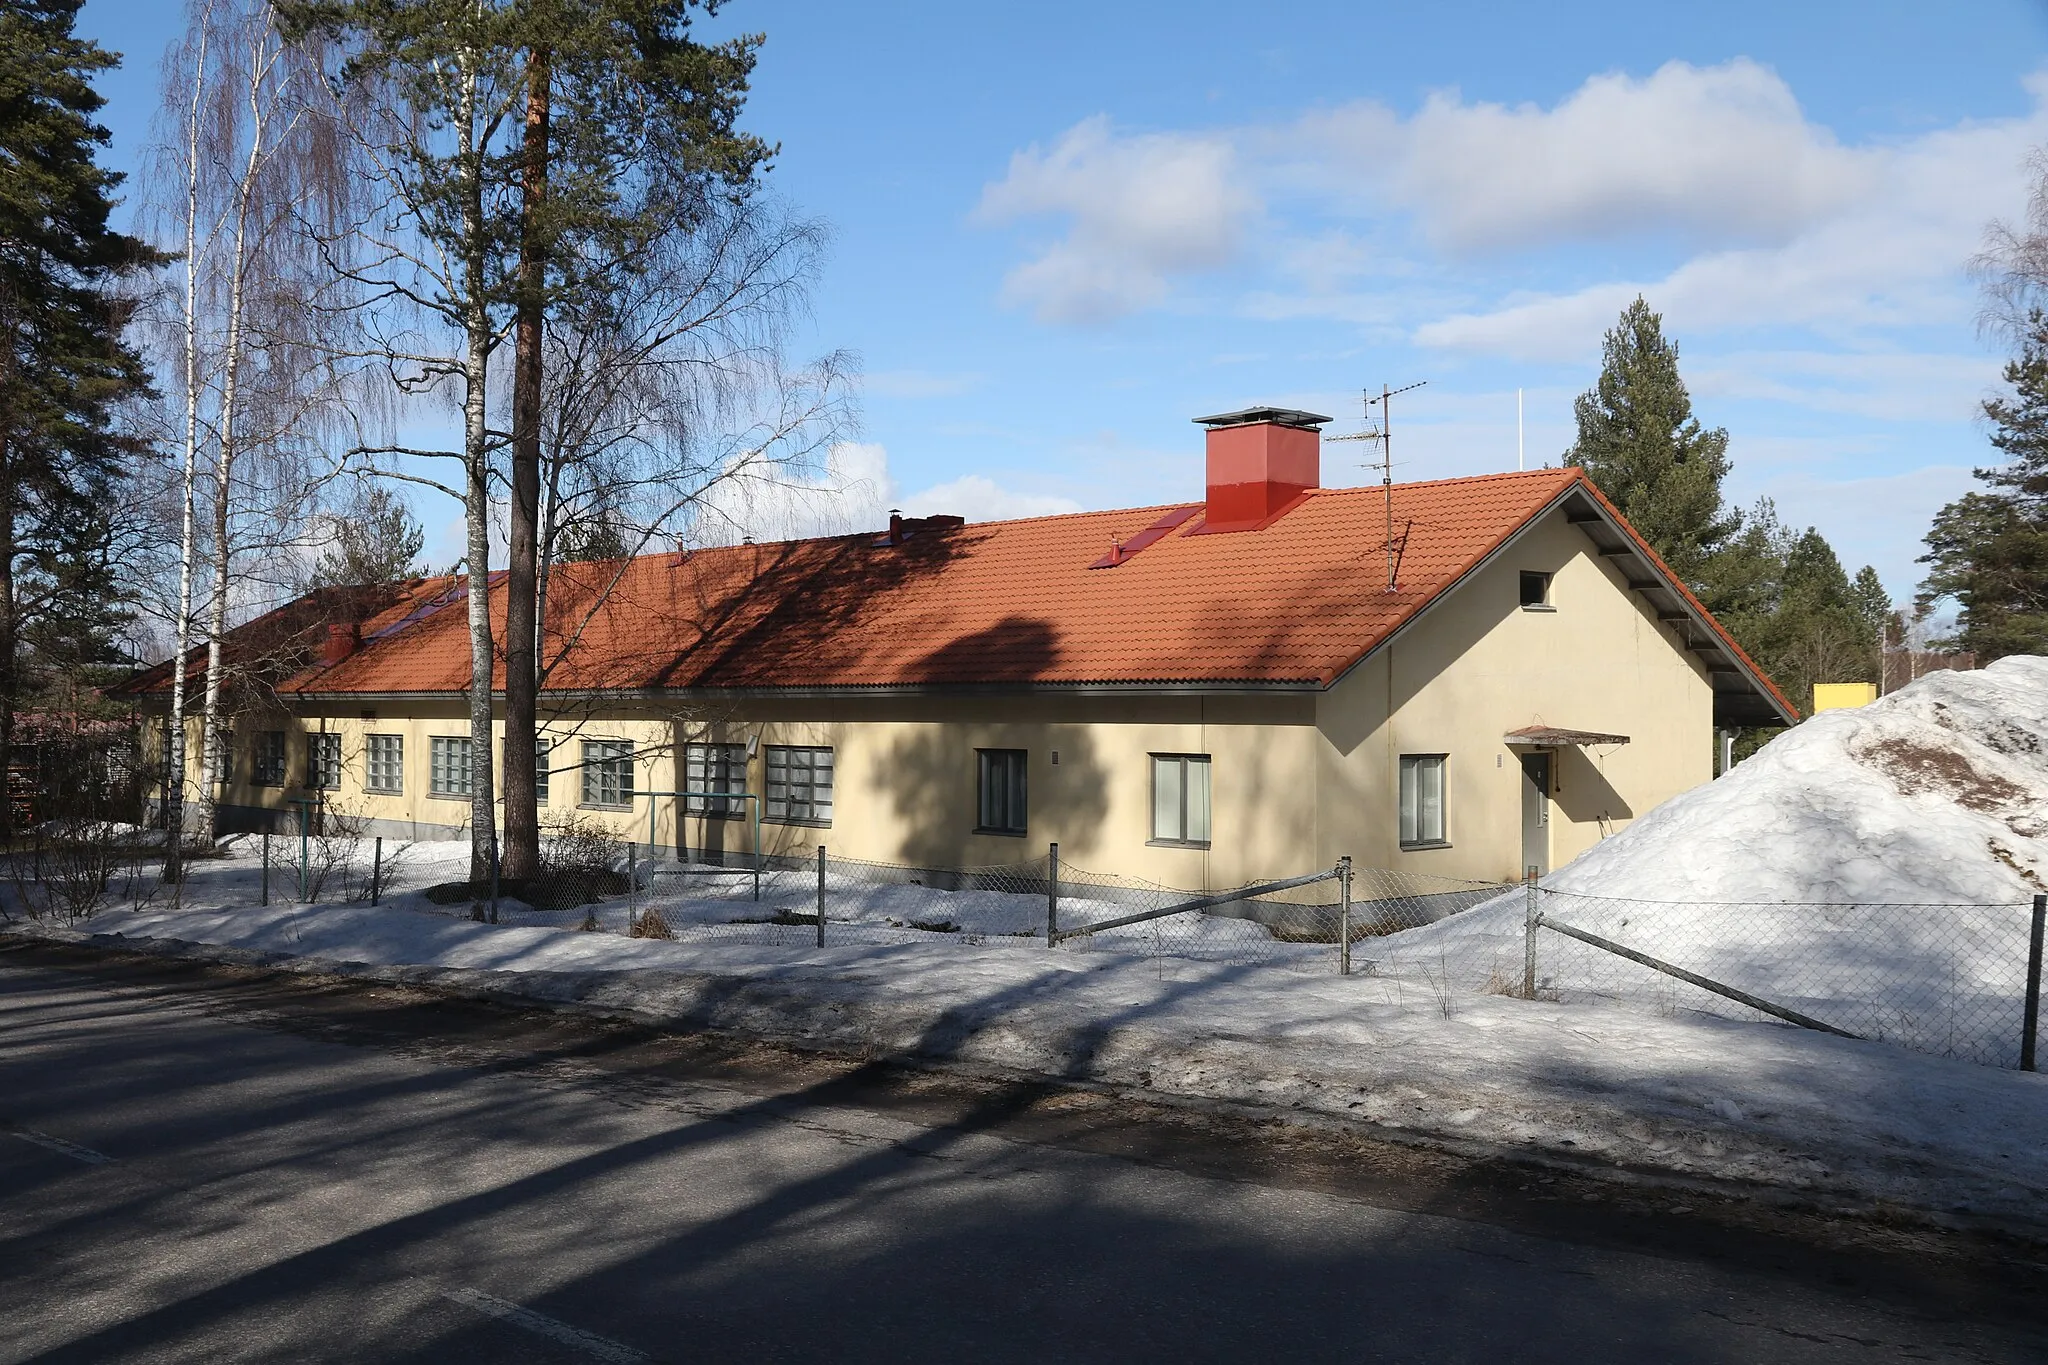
x=607 y=772
x=715 y=769
x=448 y=765
x=384 y=764
x=543 y=758
x=1180 y=798
x=1422 y=801
x=799 y=785
x=268 y=768
x=323 y=761
x=1000 y=787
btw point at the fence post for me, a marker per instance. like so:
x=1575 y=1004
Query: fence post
x=1529 y=917
x=1052 y=896
x=497 y=855
x=632 y=887
x=1344 y=916
x=377 y=870
x=266 y=867
x=821 y=895
x=2030 y=1027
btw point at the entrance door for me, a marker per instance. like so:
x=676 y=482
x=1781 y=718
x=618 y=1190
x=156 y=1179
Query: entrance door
x=1536 y=812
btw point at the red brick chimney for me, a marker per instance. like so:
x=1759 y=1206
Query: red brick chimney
x=1262 y=461
x=339 y=644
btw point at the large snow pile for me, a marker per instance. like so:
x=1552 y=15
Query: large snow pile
x=1872 y=868
x=1936 y=793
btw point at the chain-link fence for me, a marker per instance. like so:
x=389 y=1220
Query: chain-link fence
x=1950 y=980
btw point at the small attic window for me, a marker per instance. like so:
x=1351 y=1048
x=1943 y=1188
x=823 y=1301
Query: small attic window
x=1536 y=591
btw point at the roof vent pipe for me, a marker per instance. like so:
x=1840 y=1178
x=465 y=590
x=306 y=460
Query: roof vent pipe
x=1262 y=461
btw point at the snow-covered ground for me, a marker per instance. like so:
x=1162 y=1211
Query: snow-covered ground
x=1872 y=868
x=1687 y=1094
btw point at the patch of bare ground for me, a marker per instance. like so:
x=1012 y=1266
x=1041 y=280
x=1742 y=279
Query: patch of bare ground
x=1914 y=768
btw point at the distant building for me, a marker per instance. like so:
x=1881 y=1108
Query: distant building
x=1198 y=693
x=1840 y=696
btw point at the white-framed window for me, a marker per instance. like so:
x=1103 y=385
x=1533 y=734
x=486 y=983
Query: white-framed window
x=448 y=765
x=384 y=764
x=1180 y=799
x=268 y=767
x=543 y=758
x=799 y=785
x=1422 y=801
x=1002 y=795
x=715 y=768
x=323 y=761
x=607 y=772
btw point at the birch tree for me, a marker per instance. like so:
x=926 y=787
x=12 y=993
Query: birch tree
x=250 y=157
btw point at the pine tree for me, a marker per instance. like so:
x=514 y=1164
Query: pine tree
x=65 y=366
x=376 y=542
x=1988 y=551
x=531 y=153
x=1639 y=441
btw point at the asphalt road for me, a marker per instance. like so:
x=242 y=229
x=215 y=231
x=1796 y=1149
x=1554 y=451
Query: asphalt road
x=218 y=1165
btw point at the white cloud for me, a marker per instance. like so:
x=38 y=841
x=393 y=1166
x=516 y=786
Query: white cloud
x=1890 y=256
x=1890 y=386
x=1378 y=217
x=979 y=498
x=767 y=502
x=1139 y=211
x=853 y=492
x=1715 y=152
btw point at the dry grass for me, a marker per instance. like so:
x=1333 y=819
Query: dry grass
x=650 y=925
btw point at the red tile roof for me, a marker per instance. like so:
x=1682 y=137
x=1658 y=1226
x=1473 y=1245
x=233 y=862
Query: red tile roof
x=996 y=604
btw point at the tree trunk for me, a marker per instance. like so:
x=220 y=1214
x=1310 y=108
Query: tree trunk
x=181 y=643
x=522 y=570
x=9 y=676
x=483 y=814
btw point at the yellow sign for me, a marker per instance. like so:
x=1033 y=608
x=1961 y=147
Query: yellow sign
x=1835 y=696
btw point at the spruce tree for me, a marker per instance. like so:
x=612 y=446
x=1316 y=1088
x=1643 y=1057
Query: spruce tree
x=1641 y=444
x=1988 y=551
x=65 y=366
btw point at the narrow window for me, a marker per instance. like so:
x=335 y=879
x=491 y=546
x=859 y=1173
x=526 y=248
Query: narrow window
x=170 y=773
x=1535 y=590
x=323 y=762
x=799 y=785
x=1422 y=801
x=384 y=770
x=710 y=772
x=448 y=766
x=1180 y=799
x=269 y=764
x=608 y=772
x=543 y=750
x=1003 y=803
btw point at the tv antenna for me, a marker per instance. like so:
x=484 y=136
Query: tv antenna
x=1384 y=434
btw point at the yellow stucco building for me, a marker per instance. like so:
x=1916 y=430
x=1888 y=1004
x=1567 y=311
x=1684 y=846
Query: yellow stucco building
x=1466 y=678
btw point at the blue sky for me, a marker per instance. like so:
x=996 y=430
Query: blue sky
x=1062 y=230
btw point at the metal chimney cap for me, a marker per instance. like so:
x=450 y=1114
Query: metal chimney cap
x=1285 y=417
